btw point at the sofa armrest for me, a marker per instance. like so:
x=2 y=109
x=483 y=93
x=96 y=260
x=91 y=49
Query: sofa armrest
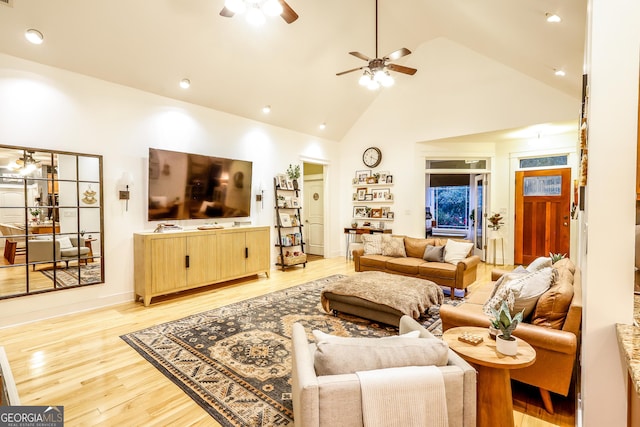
x=470 y=262
x=554 y=340
x=304 y=387
x=357 y=253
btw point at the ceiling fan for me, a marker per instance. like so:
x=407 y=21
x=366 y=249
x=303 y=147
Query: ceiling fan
x=376 y=72
x=257 y=9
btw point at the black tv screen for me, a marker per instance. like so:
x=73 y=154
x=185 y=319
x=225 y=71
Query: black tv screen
x=193 y=186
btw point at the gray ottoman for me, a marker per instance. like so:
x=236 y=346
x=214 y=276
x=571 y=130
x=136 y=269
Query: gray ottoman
x=382 y=297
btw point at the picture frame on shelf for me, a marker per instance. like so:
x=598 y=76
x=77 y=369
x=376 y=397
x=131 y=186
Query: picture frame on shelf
x=285 y=219
x=282 y=182
x=385 y=211
x=376 y=213
x=383 y=177
x=390 y=215
x=290 y=184
x=368 y=197
x=362 y=176
x=381 y=195
x=371 y=180
x=361 y=192
x=295 y=202
x=360 y=212
x=389 y=179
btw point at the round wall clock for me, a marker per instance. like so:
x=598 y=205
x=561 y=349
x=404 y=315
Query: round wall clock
x=372 y=157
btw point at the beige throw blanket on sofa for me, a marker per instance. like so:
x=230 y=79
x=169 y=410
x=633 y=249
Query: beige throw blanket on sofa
x=408 y=295
x=408 y=396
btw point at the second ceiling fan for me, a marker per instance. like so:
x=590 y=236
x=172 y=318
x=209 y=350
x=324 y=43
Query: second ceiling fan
x=257 y=9
x=376 y=72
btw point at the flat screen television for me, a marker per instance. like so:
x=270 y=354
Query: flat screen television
x=194 y=186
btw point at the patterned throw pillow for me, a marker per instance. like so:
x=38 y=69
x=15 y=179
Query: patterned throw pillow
x=393 y=246
x=372 y=244
x=520 y=291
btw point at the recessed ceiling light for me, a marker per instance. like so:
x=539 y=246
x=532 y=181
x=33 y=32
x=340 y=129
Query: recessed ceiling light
x=323 y=126
x=266 y=109
x=553 y=18
x=185 y=83
x=560 y=73
x=34 y=36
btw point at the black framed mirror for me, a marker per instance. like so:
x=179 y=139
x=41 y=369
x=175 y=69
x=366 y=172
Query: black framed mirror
x=51 y=220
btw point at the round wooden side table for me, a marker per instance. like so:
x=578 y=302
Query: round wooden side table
x=494 y=402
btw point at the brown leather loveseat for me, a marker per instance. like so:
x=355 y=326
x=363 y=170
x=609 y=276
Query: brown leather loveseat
x=553 y=329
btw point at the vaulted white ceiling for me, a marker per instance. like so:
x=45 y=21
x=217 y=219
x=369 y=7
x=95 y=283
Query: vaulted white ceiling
x=233 y=67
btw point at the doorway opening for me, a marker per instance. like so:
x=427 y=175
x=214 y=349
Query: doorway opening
x=455 y=200
x=313 y=209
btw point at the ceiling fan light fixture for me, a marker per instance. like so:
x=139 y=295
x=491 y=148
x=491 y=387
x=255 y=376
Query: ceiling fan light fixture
x=373 y=85
x=185 y=83
x=235 y=6
x=365 y=78
x=272 y=8
x=387 y=80
x=255 y=17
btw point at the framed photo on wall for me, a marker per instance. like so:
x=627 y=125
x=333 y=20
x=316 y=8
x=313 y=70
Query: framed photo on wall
x=376 y=213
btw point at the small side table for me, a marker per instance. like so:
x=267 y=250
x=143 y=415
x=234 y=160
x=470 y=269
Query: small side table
x=493 y=241
x=87 y=244
x=495 y=402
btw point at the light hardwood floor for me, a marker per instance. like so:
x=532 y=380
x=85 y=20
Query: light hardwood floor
x=79 y=361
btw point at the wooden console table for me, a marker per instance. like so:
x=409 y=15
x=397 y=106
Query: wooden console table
x=495 y=402
x=351 y=233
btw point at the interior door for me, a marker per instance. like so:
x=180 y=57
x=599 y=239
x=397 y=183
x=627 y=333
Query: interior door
x=479 y=210
x=543 y=208
x=314 y=212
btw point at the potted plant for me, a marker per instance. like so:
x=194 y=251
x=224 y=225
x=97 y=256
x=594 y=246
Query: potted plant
x=293 y=172
x=556 y=257
x=35 y=213
x=505 y=343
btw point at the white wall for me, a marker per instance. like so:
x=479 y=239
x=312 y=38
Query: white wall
x=609 y=218
x=45 y=107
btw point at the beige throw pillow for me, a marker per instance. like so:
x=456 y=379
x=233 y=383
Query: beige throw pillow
x=393 y=246
x=372 y=244
x=341 y=355
x=455 y=251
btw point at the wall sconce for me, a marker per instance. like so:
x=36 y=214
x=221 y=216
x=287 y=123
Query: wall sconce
x=126 y=181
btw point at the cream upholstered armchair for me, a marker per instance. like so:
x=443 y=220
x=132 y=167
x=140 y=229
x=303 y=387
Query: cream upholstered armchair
x=46 y=250
x=331 y=400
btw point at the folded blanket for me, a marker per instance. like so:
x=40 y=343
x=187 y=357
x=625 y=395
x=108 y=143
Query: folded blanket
x=409 y=396
x=409 y=295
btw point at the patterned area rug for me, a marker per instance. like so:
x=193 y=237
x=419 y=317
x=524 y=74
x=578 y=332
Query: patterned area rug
x=235 y=361
x=74 y=276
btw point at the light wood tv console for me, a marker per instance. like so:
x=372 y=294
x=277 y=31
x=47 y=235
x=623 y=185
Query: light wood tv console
x=176 y=261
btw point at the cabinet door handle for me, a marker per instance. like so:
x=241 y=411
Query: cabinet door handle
x=246 y=252
x=186 y=261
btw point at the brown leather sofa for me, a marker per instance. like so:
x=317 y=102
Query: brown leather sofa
x=553 y=329
x=458 y=276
